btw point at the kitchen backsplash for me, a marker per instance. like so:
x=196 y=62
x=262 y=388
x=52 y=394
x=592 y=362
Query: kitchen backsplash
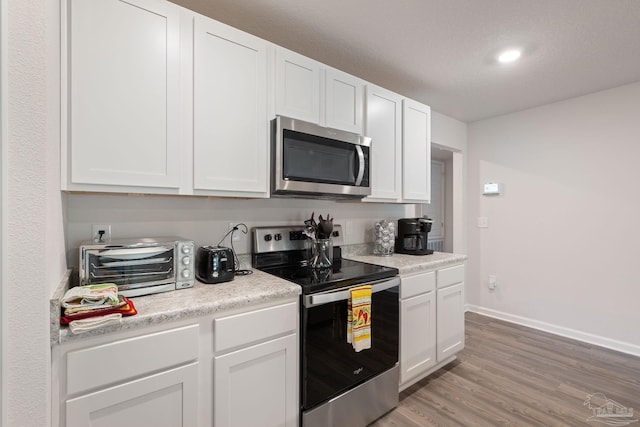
x=206 y=220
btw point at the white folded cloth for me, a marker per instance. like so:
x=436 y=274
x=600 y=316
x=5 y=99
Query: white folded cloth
x=91 y=296
x=91 y=323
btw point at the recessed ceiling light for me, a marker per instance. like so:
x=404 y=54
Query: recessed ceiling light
x=509 y=56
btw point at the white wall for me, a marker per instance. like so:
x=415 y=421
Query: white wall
x=35 y=253
x=563 y=238
x=206 y=220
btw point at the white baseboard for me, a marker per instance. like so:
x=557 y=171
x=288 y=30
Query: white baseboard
x=609 y=343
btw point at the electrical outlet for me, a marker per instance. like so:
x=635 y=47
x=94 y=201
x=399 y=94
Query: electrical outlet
x=493 y=282
x=100 y=233
x=238 y=235
x=483 y=222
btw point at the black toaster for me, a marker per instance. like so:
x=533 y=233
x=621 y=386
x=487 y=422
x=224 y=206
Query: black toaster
x=215 y=264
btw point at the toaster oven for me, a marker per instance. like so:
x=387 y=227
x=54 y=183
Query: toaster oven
x=139 y=266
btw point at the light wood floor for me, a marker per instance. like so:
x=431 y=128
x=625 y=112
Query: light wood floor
x=510 y=375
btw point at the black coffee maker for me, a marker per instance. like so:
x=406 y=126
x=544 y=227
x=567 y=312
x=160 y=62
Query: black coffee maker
x=412 y=236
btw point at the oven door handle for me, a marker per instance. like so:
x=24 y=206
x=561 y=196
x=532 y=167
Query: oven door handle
x=345 y=294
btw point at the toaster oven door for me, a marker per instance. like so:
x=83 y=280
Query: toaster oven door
x=130 y=268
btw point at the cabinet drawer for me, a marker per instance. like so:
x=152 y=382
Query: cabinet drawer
x=120 y=360
x=450 y=276
x=415 y=285
x=245 y=328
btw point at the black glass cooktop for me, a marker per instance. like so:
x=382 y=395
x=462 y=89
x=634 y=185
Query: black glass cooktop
x=344 y=273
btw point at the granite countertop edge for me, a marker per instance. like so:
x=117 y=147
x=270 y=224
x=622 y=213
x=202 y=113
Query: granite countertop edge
x=407 y=264
x=243 y=292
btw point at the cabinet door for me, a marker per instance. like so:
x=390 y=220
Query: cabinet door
x=123 y=93
x=450 y=320
x=417 y=335
x=297 y=86
x=343 y=101
x=416 y=156
x=167 y=399
x=229 y=110
x=257 y=386
x=383 y=123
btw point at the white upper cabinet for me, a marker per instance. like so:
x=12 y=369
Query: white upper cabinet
x=308 y=90
x=343 y=101
x=383 y=123
x=121 y=87
x=416 y=152
x=297 y=86
x=230 y=123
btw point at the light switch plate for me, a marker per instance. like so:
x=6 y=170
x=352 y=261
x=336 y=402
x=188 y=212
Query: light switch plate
x=483 y=222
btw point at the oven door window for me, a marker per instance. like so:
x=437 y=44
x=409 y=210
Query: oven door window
x=330 y=365
x=131 y=266
x=310 y=158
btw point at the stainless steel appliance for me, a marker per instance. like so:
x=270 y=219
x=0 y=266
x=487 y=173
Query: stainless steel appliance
x=215 y=264
x=339 y=386
x=314 y=161
x=138 y=266
x=412 y=236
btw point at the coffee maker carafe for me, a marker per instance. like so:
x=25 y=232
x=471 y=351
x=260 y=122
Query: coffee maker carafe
x=412 y=236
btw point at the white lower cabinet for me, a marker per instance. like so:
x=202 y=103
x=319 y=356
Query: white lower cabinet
x=450 y=305
x=257 y=386
x=167 y=399
x=256 y=368
x=418 y=335
x=431 y=321
x=239 y=370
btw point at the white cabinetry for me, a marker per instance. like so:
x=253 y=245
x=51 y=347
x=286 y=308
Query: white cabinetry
x=167 y=399
x=238 y=370
x=450 y=311
x=297 y=86
x=230 y=123
x=150 y=379
x=416 y=149
x=418 y=325
x=343 y=101
x=431 y=321
x=383 y=123
x=256 y=373
x=307 y=90
x=121 y=88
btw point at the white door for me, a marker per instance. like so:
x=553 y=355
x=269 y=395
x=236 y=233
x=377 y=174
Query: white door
x=257 y=386
x=297 y=86
x=229 y=111
x=416 y=155
x=417 y=335
x=450 y=320
x=343 y=101
x=124 y=89
x=167 y=399
x=383 y=124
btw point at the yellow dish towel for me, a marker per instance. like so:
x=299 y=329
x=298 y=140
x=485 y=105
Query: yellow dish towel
x=359 y=318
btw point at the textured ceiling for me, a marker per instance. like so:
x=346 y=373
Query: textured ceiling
x=441 y=52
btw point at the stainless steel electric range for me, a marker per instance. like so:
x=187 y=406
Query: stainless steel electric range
x=338 y=386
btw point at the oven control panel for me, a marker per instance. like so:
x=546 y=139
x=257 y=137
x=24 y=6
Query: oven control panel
x=287 y=238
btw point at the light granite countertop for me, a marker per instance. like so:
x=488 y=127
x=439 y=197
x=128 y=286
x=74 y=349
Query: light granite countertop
x=201 y=300
x=408 y=264
x=244 y=291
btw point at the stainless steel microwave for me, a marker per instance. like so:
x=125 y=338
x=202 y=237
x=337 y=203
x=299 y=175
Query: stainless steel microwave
x=314 y=161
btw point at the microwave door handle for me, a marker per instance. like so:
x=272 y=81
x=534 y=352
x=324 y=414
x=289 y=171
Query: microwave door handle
x=360 y=165
x=329 y=297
